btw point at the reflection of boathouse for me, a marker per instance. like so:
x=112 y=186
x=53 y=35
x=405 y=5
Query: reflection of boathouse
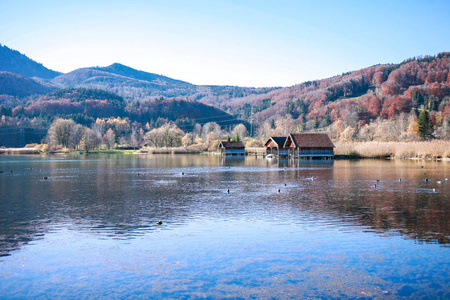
x=231 y=148
x=275 y=146
x=309 y=145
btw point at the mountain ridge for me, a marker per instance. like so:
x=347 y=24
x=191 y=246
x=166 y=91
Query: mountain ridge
x=15 y=62
x=120 y=69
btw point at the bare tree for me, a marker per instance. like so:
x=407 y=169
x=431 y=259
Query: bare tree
x=240 y=130
x=153 y=138
x=134 y=138
x=367 y=132
x=90 y=140
x=197 y=131
x=211 y=127
x=265 y=130
x=285 y=125
x=168 y=135
x=77 y=132
x=110 y=138
x=60 y=132
x=172 y=135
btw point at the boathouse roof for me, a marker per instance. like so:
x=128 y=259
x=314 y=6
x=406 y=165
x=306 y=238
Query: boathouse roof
x=309 y=140
x=231 y=145
x=278 y=140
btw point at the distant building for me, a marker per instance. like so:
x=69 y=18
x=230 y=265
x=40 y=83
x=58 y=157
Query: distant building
x=309 y=145
x=231 y=148
x=275 y=146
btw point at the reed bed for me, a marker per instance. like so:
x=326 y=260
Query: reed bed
x=255 y=150
x=436 y=149
x=174 y=150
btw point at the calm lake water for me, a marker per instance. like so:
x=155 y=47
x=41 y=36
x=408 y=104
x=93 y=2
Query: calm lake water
x=89 y=230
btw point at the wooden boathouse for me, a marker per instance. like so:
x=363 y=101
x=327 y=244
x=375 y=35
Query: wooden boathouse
x=231 y=148
x=275 y=146
x=310 y=145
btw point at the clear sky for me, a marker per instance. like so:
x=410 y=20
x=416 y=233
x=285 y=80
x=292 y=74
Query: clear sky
x=245 y=43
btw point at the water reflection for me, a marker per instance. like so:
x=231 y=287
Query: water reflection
x=123 y=196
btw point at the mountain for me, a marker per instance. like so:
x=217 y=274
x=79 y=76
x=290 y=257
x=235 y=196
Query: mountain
x=353 y=99
x=15 y=62
x=125 y=71
x=133 y=85
x=359 y=97
x=129 y=83
x=125 y=81
x=19 y=86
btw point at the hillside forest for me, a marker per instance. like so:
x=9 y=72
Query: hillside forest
x=409 y=101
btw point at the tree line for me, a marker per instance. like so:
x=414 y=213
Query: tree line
x=119 y=132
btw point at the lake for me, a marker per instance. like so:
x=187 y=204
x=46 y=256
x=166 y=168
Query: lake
x=85 y=226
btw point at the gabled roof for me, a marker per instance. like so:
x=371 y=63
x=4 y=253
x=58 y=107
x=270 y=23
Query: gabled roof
x=310 y=140
x=232 y=145
x=278 y=140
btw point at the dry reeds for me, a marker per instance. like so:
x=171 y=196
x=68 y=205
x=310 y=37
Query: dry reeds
x=174 y=150
x=436 y=149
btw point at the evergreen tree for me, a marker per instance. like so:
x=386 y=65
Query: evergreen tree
x=236 y=138
x=417 y=98
x=425 y=126
x=272 y=124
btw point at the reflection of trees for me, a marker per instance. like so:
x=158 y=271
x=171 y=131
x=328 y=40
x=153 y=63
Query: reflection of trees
x=409 y=207
x=105 y=195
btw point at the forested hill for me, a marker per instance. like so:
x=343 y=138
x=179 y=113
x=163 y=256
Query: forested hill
x=123 y=70
x=125 y=81
x=137 y=85
x=357 y=97
x=15 y=62
x=86 y=105
x=17 y=85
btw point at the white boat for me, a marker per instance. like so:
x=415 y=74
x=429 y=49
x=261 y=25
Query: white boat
x=270 y=156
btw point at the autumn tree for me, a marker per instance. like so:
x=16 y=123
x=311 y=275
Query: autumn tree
x=212 y=140
x=367 y=132
x=348 y=134
x=188 y=139
x=413 y=127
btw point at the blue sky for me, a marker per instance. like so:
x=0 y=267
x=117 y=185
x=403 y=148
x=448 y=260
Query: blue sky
x=245 y=43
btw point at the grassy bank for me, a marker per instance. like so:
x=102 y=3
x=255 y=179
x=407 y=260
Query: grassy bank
x=114 y=151
x=423 y=150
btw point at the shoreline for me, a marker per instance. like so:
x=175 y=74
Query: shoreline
x=182 y=151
